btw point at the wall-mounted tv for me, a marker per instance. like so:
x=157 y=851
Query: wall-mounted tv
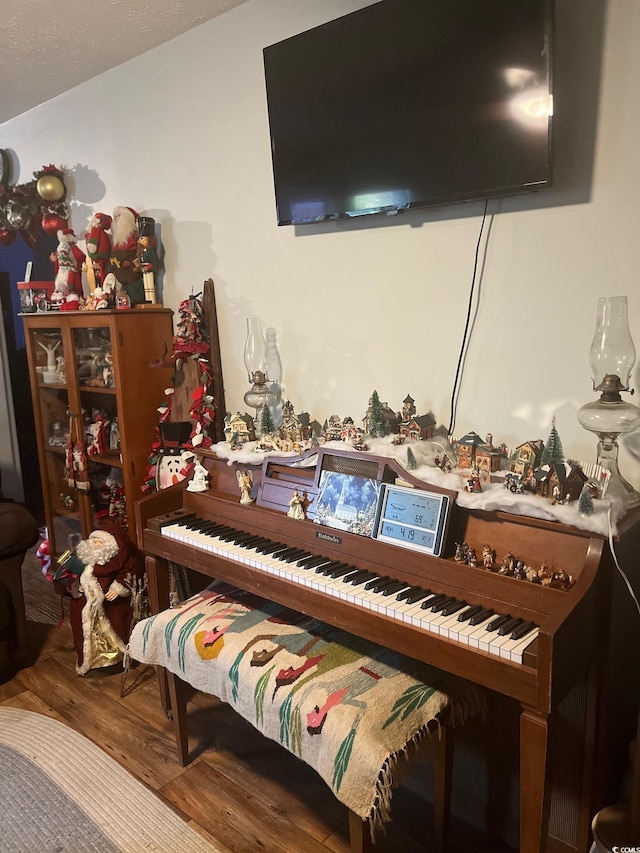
x=409 y=103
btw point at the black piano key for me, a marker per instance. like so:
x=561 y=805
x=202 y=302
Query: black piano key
x=341 y=570
x=450 y=609
x=284 y=552
x=499 y=622
x=292 y=558
x=350 y=576
x=303 y=556
x=415 y=597
x=376 y=580
x=326 y=568
x=509 y=626
x=434 y=599
x=312 y=562
x=254 y=542
x=482 y=616
x=272 y=547
x=523 y=629
x=361 y=577
x=228 y=534
x=407 y=592
x=210 y=528
x=241 y=538
x=261 y=542
x=394 y=587
x=469 y=612
x=437 y=606
x=383 y=584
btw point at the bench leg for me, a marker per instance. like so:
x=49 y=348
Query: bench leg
x=359 y=834
x=178 y=691
x=442 y=779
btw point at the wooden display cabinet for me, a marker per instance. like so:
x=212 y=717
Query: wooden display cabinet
x=102 y=369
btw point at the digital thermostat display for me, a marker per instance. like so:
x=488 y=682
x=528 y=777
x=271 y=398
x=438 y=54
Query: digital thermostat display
x=412 y=518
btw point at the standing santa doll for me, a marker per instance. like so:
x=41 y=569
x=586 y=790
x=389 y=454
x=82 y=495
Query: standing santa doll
x=68 y=260
x=101 y=616
x=98 y=245
x=125 y=262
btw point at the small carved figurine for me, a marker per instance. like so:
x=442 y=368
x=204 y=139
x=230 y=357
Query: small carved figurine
x=296 y=506
x=508 y=564
x=245 y=481
x=459 y=555
x=545 y=574
x=488 y=557
x=519 y=570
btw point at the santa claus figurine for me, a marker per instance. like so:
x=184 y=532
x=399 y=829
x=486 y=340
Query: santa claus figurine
x=68 y=260
x=101 y=617
x=124 y=262
x=98 y=244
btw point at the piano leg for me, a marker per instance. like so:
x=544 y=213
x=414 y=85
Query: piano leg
x=359 y=835
x=534 y=731
x=158 y=579
x=443 y=742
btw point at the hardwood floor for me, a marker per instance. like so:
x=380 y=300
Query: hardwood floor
x=243 y=791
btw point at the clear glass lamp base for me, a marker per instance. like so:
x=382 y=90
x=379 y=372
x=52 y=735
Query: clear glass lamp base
x=618 y=489
x=608 y=420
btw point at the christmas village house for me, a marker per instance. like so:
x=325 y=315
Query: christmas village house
x=474 y=452
x=527 y=456
x=238 y=429
x=559 y=481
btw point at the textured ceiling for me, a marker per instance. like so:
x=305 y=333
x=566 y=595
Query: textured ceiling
x=49 y=47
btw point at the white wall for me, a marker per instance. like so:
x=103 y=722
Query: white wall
x=181 y=134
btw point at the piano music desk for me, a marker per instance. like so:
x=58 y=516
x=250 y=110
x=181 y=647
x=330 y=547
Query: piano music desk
x=568 y=660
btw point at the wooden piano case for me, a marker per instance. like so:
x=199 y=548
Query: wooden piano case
x=566 y=687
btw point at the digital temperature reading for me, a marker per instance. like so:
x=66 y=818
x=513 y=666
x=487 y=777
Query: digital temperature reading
x=412 y=517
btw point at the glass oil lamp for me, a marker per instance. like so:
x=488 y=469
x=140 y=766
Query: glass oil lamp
x=611 y=357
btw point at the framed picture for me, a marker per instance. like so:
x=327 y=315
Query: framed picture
x=347 y=502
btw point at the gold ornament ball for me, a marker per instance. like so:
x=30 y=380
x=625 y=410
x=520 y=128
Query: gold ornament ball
x=50 y=188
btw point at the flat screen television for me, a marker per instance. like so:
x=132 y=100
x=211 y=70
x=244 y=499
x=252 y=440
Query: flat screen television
x=410 y=103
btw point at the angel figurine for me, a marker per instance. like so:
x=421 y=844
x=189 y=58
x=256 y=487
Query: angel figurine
x=296 y=505
x=245 y=481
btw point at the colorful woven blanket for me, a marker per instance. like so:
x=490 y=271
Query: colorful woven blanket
x=349 y=708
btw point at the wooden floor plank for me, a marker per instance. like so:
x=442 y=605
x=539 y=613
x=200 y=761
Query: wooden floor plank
x=237 y=815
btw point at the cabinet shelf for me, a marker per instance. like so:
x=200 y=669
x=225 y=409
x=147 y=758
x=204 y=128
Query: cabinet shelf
x=113 y=460
x=97 y=389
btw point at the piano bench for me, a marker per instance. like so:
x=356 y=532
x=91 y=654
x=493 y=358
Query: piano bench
x=359 y=714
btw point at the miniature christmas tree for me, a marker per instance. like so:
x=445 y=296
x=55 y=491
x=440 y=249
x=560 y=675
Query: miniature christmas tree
x=585 y=501
x=377 y=420
x=267 y=425
x=553 y=451
x=411 y=460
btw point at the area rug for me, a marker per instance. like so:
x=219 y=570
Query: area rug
x=350 y=709
x=60 y=793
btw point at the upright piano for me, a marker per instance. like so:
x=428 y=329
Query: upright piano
x=553 y=653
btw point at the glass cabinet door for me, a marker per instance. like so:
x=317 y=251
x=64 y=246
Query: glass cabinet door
x=93 y=358
x=55 y=412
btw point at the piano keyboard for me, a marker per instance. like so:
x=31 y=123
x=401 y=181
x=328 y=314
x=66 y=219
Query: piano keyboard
x=482 y=628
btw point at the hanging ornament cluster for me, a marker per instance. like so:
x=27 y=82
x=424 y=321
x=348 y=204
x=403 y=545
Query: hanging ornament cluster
x=39 y=204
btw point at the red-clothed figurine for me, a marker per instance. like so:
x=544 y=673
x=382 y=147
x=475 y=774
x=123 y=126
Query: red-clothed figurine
x=68 y=260
x=98 y=244
x=101 y=616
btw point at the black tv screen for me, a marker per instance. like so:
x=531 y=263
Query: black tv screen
x=409 y=103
